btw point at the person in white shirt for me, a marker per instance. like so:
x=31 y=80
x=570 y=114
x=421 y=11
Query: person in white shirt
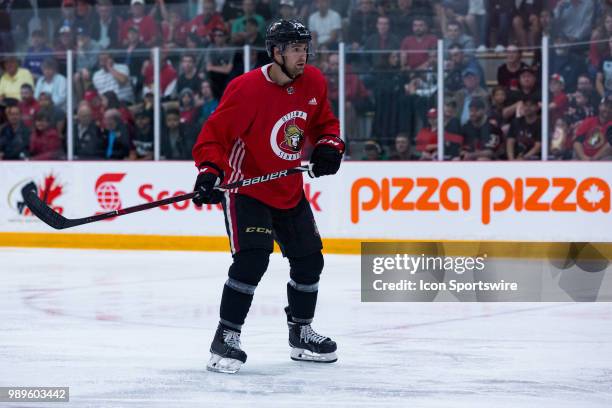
x=51 y=83
x=325 y=25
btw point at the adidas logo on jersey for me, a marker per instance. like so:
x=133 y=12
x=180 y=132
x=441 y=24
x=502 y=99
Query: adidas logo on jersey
x=313 y=101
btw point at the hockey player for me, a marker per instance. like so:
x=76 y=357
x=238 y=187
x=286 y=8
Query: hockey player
x=260 y=126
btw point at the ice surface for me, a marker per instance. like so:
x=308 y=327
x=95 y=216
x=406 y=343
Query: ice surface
x=132 y=329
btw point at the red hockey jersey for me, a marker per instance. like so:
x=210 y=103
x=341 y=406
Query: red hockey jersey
x=260 y=127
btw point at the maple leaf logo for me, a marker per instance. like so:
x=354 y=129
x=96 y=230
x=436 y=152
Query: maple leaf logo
x=48 y=192
x=593 y=195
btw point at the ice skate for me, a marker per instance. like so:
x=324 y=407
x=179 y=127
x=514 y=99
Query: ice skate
x=308 y=345
x=226 y=355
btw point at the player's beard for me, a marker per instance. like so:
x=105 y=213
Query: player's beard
x=297 y=71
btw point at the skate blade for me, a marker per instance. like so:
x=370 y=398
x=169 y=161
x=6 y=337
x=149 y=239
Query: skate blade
x=224 y=365
x=299 y=354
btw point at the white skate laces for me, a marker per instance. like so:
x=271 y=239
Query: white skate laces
x=308 y=335
x=231 y=338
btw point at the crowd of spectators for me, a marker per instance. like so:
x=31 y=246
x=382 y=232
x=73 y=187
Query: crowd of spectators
x=492 y=65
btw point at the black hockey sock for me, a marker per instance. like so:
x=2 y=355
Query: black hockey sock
x=302 y=301
x=234 y=307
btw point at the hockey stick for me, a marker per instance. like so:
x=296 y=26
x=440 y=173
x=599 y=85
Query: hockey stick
x=58 y=221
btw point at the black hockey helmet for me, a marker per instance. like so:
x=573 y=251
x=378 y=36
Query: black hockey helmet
x=282 y=32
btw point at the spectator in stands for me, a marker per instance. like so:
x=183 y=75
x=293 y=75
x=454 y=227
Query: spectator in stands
x=177 y=139
x=84 y=14
x=142 y=141
x=483 y=140
x=362 y=23
x=525 y=135
x=427 y=140
x=109 y=100
x=599 y=46
x=585 y=85
x=454 y=35
x=559 y=101
x=189 y=77
x=203 y=24
x=86 y=59
x=52 y=83
x=527 y=88
x=511 y=69
x=402 y=150
x=116 y=140
x=113 y=77
x=206 y=102
x=560 y=141
x=456 y=63
x=134 y=58
x=357 y=96
x=6 y=27
x=382 y=40
x=287 y=10
x=415 y=48
x=94 y=101
x=45 y=141
x=604 y=74
x=28 y=105
x=496 y=111
x=499 y=17
x=55 y=116
x=65 y=41
x=88 y=143
x=187 y=107
x=168 y=77
x=12 y=78
x=37 y=53
x=220 y=61
x=451 y=122
x=14 y=136
x=573 y=18
x=147 y=27
x=68 y=17
x=471 y=90
x=591 y=143
x=106 y=26
x=526 y=22
x=172 y=26
x=253 y=37
x=566 y=63
x=325 y=25
x=401 y=18
x=373 y=151
x=579 y=109
x=393 y=110
x=476 y=20
x=239 y=24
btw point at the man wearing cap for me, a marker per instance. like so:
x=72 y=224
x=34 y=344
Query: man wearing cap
x=146 y=24
x=482 y=138
x=471 y=90
x=524 y=136
x=527 y=88
x=12 y=79
x=427 y=140
x=239 y=24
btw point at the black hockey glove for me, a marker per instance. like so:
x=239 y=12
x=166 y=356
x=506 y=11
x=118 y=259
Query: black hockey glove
x=208 y=178
x=326 y=156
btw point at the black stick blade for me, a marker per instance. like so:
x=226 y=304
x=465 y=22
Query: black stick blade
x=40 y=209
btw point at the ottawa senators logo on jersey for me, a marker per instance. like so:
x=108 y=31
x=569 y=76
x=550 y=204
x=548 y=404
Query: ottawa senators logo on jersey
x=595 y=140
x=293 y=138
x=287 y=136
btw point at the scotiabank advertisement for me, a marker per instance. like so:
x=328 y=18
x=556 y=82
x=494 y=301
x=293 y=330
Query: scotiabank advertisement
x=531 y=201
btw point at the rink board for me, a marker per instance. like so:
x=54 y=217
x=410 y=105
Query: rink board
x=503 y=201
